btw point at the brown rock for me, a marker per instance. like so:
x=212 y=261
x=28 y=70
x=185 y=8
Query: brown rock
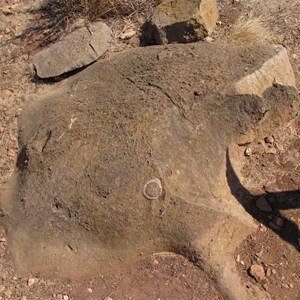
x=258 y=272
x=263 y=205
x=182 y=21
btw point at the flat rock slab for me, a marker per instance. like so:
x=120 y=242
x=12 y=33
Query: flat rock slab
x=77 y=49
x=130 y=156
x=182 y=21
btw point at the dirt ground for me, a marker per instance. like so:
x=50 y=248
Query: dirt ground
x=273 y=167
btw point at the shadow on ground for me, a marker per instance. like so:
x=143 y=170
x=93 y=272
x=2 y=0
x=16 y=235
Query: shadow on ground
x=289 y=231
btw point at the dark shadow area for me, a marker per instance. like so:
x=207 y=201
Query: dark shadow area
x=287 y=230
x=22 y=160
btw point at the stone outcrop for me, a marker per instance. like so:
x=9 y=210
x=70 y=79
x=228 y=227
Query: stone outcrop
x=77 y=49
x=131 y=156
x=180 y=21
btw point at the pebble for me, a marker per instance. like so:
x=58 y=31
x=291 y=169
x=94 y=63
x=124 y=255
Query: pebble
x=59 y=297
x=31 y=281
x=268 y=272
x=209 y=39
x=248 y=152
x=285 y=285
x=278 y=221
x=90 y=290
x=263 y=205
x=8 y=293
x=2 y=288
x=23 y=298
x=274 y=271
x=65 y=297
x=274 y=226
x=269 y=140
x=127 y=34
x=258 y=272
x=108 y=298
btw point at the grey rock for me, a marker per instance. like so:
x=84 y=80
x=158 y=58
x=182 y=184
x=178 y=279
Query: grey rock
x=77 y=49
x=182 y=21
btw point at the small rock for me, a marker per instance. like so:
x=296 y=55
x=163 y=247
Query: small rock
x=31 y=281
x=269 y=140
x=59 y=297
x=279 y=146
x=285 y=285
x=274 y=226
x=65 y=297
x=8 y=293
x=291 y=285
x=1 y=129
x=260 y=253
x=209 y=39
x=248 y=152
x=155 y=262
x=274 y=271
x=238 y=258
x=271 y=151
x=278 y=221
x=13 y=138
x=258 y=272
x=108 y=298
x=2 y=288
x=127 y=34
x=23 y=298
x=263 y=205
x=268 y=272
x=90 y=290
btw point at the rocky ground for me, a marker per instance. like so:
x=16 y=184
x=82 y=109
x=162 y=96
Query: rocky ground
x=272 y=167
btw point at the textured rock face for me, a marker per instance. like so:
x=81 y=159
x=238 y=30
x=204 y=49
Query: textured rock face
x=77 y=49
x=275 y=70
x=179 y=21
x=131 y=156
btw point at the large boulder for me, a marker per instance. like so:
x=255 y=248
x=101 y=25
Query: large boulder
x=131 y=156
x=77 y=49
x=182 y=21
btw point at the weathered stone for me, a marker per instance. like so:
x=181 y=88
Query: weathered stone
x=77 y=49
x=138 y=114
x=182 y=21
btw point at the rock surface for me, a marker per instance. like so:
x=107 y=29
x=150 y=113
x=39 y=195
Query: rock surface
x=89 y=148
x=182 y=21
x=77 y=49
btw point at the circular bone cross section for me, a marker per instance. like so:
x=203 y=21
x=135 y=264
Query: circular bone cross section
x=152 y=189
